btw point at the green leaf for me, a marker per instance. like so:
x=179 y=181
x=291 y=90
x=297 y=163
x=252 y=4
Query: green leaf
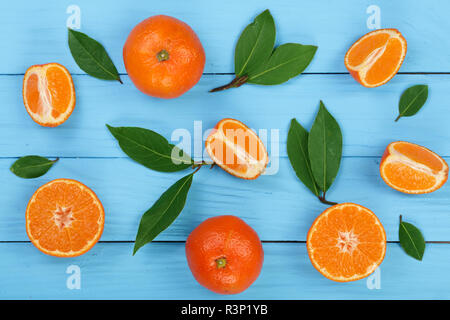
x=325 y=148
x=286 y=62
x=412 y=100
x=91 y=56
x=151 y=149
x=411 y=240
x=29 y=167
x=163 y=213
x=255 y=44
x=256 y=62
x=297 y=149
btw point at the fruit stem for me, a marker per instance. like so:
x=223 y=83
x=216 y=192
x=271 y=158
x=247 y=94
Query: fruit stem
x=325 y=201
x=163 y=55
x=221 y=263
x=237 y=82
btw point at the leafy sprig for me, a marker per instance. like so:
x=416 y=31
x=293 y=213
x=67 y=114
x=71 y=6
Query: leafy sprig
x=257 y=61
x=154 y=152
x=316 y=156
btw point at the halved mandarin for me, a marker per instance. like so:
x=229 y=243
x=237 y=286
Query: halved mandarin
x=410 y=168
x=376 y=57
x=48 y=94
x=237 y=149
x=64 y=218
x=346 y=242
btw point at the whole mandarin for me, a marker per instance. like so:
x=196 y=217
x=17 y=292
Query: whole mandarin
x=225 y=254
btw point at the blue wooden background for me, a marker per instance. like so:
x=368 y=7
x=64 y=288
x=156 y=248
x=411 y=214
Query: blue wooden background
x=278 y=206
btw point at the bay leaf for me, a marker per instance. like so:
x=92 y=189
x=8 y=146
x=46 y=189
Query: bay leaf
x=412 y=100
x=325 y=148
x=297 y=150
x=255 y=44
x=151 y=149
x=91 y=56
x=29 y=167
x=411 y=240
x=286 y=62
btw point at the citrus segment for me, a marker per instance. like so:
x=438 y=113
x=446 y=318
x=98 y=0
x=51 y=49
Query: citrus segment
x=237 y=149
x=411 y=168
x=48 y=94
x=346 y=242
x=64 y=218
x=376 y=57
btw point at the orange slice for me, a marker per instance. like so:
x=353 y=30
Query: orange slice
x=346 y=242
x=376 y=57
x=64 y=218
x=410 y=168
x=48 y=94
x=237 y=149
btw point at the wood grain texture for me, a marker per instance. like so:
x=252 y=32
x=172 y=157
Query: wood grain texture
x=160 y=271
x=39 y=31
x=366 y=116
x=278 y=207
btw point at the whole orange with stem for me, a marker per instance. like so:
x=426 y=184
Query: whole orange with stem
x=224 y=254
x=163 y=57
x=64 y=218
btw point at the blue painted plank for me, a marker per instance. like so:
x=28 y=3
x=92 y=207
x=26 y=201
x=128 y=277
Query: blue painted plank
x=366 y=115
x=278 y=207
x=36 y=32
x=160 y=271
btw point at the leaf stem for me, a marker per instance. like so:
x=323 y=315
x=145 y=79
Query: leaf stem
x=325 y=201
x=235 y=83
x=198 y=168
x=398 y=118
x=120 y=80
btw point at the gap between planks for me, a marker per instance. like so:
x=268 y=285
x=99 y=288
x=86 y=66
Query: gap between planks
x=230 y=74
x=125 y=157
x=181 y=241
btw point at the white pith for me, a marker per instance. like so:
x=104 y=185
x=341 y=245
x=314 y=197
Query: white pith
x=63 y=217
x=254 y=167
x=373 y=57
x=45 y=98
x=351 y=242
x=397 y=157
